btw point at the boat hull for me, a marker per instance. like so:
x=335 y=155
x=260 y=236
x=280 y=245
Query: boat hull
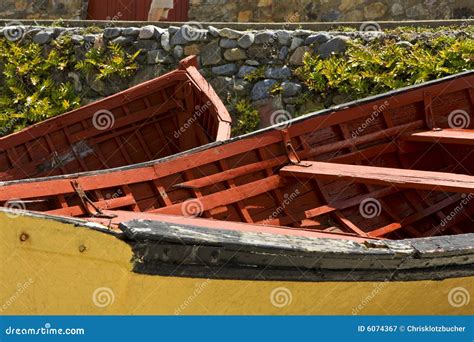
x=67 y=266
x=166 y=115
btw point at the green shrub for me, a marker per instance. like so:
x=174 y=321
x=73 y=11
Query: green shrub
x=248 y=118
x=256 y=75
x=104 y=63
x=381 y=66
x=34 y=84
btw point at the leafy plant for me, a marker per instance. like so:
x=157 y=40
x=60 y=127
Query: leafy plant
x=104 y=63
x=248 y=118
x=381 y=66
x=35 y=85
x=276 y=88
x=256 y=75
x=29 y=92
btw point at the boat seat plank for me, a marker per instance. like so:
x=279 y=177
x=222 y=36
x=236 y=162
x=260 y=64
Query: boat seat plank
x=401 y=178
x=445 y=136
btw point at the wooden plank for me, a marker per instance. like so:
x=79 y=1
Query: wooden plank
x=127 y=120
x=78 y=210
x=415 y=217
x=368 y=138
x=232 y=173
x=228 y=196
x=444 y=136
x=425 y=180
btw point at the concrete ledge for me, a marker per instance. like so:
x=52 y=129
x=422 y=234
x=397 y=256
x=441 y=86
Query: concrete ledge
x=317 y=26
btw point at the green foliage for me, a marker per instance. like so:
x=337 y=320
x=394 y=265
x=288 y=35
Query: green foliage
x=256 y=75
x=276 y=88
x=381 y=66
x=104 y=63
x=28 y=91
x=248 y=118
x=34 y=85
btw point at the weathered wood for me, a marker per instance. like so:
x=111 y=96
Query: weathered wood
x=414 y=179
x=98 y=124
x=444 y=136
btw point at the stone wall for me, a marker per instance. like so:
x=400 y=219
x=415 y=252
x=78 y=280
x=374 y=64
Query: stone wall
x=328 y=10
x=43 y=9
x=226 y=56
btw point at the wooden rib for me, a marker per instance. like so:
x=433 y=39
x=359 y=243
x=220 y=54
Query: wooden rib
x=413 y=179
x=232 y=173
x=340 y=205
x=368 y=138
x=416 y=217
x=78 y=210
x=450 y=224
x=229 y=196
x=68 y=138
x=127 y=120
x=242 y=210
x=444 y=136
x=52 y=151
x=276 y=193
x=365 y=154
x=138 y=135
x=427 y=103
x=337 y=214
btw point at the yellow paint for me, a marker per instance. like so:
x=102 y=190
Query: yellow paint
x=51 y=273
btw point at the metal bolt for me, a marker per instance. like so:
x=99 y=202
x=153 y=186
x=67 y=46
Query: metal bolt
x=82 y=248
x=24 y=237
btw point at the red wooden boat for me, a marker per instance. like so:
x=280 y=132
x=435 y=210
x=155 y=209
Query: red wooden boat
x=149 y=121
x=327 y=193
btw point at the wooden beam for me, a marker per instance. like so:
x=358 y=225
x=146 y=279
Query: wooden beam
x=444 y=136
x=228 y=196
x=402 y=178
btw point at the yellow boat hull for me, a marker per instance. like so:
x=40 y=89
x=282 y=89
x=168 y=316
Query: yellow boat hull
x=57 y=268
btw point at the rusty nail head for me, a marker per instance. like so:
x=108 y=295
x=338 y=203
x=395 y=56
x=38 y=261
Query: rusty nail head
x=24 y=237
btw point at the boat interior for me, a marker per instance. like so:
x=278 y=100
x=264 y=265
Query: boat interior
x=169 y=114
x=395 y=166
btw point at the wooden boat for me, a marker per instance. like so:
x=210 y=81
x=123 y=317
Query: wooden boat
x=365 y=208
x=169 y=114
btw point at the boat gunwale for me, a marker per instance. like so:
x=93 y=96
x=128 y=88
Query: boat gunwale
x=427 y=258
x=303 y=118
